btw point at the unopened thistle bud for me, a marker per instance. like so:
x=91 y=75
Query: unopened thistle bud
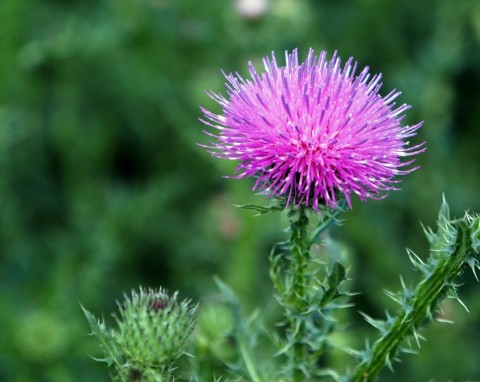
x=153 y=331
x=154 y=328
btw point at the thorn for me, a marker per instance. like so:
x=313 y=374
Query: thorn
x=409 y=351
x=417 y=262
x=455 y=296
x=354 y=352
x=462 y=303
x=418 y=337
x=394 y=296
x=444 y=321
x=403 y=283
x=378 y=324
x=389 y=363
x=472 y=263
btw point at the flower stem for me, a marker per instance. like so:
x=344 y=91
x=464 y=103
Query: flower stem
x=249 y=364
x=306 y=300
x=244 y=346
x=300 y=254
x=419 y=306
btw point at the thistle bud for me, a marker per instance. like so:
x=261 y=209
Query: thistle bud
x=153 y=331
x=154 y=328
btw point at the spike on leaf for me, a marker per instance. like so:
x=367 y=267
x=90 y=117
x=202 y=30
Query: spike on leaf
x=108 y=345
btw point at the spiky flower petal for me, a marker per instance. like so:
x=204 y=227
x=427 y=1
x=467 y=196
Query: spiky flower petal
x=312 y=132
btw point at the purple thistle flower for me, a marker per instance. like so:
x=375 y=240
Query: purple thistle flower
x=313 y=131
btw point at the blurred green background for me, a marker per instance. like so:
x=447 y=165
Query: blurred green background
x=103 y=188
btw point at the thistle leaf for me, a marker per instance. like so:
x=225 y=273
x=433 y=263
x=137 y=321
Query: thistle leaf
x=335 y=278
x=244 y=342
x=260 y=209
x=107 y=343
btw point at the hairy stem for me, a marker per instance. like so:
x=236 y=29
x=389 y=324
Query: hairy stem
x=307 y=301
x=300 y=255
x=419 y=306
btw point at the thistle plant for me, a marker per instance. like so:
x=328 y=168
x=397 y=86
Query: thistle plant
x=311 y=135
x=153 y=331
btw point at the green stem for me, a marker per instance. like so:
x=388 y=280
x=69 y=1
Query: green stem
x=249 y=364
x=300 y=255
x=424 y=301
x=304 y=300
x=240 y=334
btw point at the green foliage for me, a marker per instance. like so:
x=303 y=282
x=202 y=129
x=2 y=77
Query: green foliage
x=102 y=187
x=106 y=340
x=452 y=248
x=245 y=339
x=311 y=307
x=309 y=304
x=212 y=345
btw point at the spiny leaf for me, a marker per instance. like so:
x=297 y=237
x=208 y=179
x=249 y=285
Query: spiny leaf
x=260 y=209
x=330 y=217
x=335 y=278
x=244 y=342
x=100 y=331
x=381 y=325
x=473 y=263
x=444 y=213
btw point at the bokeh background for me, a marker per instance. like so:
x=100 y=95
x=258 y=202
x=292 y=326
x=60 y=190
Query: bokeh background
x=103 y=188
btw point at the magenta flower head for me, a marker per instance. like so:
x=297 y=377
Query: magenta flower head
x=314 y=132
